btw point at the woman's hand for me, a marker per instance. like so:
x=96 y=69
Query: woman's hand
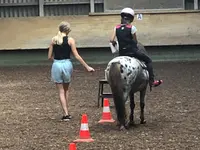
x=90 y=69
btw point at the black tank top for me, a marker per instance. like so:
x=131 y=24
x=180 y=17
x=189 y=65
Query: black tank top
x=62 y=51
x=127 y=45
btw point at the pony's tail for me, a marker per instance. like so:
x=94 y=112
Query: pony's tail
x=117 y=91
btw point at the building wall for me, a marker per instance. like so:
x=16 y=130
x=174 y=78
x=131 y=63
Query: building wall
x=144 y=4
x=95 y=31
x=150 y=4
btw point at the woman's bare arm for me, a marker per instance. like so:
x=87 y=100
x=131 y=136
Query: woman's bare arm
x=50 y=52
x=77 y=56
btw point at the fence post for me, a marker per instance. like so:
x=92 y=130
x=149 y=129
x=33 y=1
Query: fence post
x=92 y=6
x=196 y=5
x=41 y=8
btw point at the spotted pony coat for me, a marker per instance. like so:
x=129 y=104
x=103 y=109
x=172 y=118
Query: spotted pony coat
x=126 y=76
x=129 y=69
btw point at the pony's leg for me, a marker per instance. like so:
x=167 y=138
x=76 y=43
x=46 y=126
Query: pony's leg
x=132 y=107
x=125 y=122
x=142 y=105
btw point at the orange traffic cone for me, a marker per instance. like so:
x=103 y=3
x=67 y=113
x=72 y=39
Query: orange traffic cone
x=84 y=133
x=72 y=146
x=106 y=115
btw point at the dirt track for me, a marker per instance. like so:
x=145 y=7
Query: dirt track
x=30 y=111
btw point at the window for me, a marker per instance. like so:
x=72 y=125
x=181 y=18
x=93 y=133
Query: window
x=192 y=4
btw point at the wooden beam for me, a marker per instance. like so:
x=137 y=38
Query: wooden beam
x=183 y=4
x=72 y=2
x=18 y=4
x=92 y=6
x=41 y=8
x=196 y=5
x=105 y=6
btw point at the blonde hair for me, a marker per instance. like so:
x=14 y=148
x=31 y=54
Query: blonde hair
x=64 y=29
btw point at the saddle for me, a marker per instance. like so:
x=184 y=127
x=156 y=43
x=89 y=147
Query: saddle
x=142 y=63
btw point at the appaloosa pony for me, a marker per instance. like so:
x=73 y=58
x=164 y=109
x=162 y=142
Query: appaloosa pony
x=126 y=76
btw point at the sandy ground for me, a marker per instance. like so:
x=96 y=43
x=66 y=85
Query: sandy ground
x=30 y=111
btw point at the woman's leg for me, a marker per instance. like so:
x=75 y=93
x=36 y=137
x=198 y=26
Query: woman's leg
x=62 y=96
x=66 y=91
x=57 y=76
x=66 y=77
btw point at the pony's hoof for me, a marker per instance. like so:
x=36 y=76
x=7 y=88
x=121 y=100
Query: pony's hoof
x=143 y=122
x=122 y=128
x=131 y=123
x=118 y=124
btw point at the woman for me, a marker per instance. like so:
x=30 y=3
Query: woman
x=59 y=51
x=127 y=39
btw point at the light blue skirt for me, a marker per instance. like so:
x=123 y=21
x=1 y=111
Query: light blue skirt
x=61 y=71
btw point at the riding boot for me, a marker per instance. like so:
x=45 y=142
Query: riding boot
x=152 y=82
x=150 y=70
